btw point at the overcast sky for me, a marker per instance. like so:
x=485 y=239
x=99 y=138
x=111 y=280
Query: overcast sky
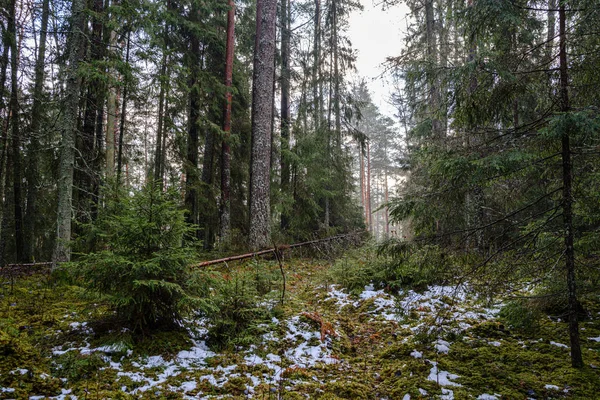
x=376 y=34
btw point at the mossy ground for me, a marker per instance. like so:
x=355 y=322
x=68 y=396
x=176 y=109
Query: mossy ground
x=57 y=340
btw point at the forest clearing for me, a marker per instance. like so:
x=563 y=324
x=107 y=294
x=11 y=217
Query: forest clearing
x=434 y=341
x=156 y=154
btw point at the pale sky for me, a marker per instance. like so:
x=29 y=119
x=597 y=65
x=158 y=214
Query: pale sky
x=376 y=34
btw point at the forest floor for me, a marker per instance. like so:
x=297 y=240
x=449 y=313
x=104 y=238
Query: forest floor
x=440 y=342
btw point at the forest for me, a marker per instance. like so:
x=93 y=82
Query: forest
x=450 y=250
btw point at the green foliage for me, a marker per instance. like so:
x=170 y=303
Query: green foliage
x=75 y=366
x=143 y=267
x=238 y=297
x=521 y=316
x=393 y=264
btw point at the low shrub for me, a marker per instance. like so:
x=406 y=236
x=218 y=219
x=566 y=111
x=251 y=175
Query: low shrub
x=142 y=267
x=393 y=264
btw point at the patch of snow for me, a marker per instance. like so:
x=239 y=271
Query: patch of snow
x=595 y=339
x=551 y=387
x=443 y=378
x=442 y=346
x=416 y=354
x=559 y=345
x=406 y=397
x=486 y=396
x=341 y=298
x=447 y=394
x=495 y=344
x=423 y=392
x=188 y=386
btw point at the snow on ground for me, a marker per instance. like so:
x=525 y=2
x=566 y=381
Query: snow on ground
x=559 y=344
x=486 y=396
x=305 y=350
x=300 y=341
x=443 y=378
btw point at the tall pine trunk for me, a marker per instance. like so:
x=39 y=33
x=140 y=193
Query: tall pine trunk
x=191 y=165
x=62 y=250
x=122 y=116
x=262 y=99
x=567 y=172
x=15 y=139
x=34 y=138
x=225 y=206
x=285 y=109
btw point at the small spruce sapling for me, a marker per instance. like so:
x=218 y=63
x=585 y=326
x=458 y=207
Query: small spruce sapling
x=143 y=265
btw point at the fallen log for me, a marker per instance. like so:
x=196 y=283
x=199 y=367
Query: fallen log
x=271 y=250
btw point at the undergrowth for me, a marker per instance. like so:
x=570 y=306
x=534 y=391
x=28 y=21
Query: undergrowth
x=41 y=321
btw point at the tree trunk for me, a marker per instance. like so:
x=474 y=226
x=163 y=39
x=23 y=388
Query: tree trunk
x=262 y=98
x=336 y=77
x=111 y=111
x=434 y=102
x=191 y=164
x=93 y=118
x=362 y=184
x=15 y=140
x=160 y=131
x=285 y=109
x=35 y=133
x=368 y=188
x=316 y=72
x=567 y=172
x=225 y=211
x=62 y=251
x=123 y=114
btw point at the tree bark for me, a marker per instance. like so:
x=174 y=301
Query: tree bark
x=93 y=118
x=285 y=109
x=111 y=111
x=160 y=131
x=567 y=172
x=34 y=134
x=123 y=114
x=368 y=189
x=316 y=72
x=191 y=165
x=15 y=140
x=62 y=251
x=262 y=98
x=225 y=206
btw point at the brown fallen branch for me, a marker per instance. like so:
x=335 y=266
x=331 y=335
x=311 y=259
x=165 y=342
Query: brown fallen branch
x=326 y=327
x=271 y=251
x=15 y=270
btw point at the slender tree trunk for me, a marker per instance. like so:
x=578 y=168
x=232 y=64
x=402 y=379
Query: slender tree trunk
x=123 y=114
x=3 y=67
x=337 y=80
x=285 y=109
x=158 y=153
x=262 y=98
x=93 y=118
x=316 y=66
x=111 y=111
x=362 y=184
x=62 y=251
x=567 y=170
x=434 y=102
x=35 y=133
x=15 y=140
x=191 y=165
x=368 y=188
x=225 y=211
x=386 y=209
